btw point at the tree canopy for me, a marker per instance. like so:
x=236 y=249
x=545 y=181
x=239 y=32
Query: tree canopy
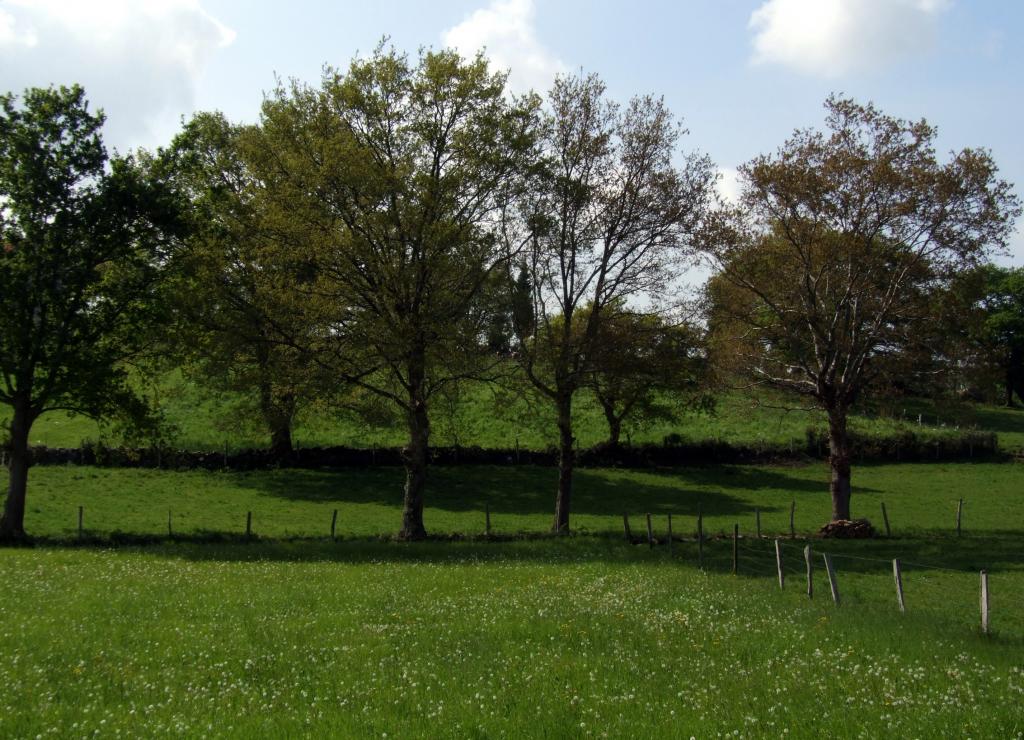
x=80 y=265
x=826 y=265
x=606 y=219
x=393 y=171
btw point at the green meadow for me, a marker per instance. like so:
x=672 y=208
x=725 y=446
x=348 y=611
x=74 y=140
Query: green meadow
x=129 y=632
x=162 y=618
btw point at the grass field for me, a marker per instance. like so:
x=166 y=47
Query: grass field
x=920 y=498
x=203 y=421
x=290 y=634
x=543 y=639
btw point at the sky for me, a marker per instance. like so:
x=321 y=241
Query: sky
x=741 y=74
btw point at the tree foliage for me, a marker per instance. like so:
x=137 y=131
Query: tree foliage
x=827 y=266
x=646 y=368
x=394 y=168
x=1001 y=334
x=237 y=314
x=605 y=220
x=80 y=254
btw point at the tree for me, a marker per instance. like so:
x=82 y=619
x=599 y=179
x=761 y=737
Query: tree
x=605 y=221
x=236 y=311
x=396 y=169
x=645 y=368
x=826 y=268
x=79 y=270
x=1002 y=330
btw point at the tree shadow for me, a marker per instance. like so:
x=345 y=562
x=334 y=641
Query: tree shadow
x=529 y=490
x=995 y=551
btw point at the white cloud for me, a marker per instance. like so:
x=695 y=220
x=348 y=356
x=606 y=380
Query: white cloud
x=505 y=31
x=728 y=184
x=139 y=60
x=831 y=38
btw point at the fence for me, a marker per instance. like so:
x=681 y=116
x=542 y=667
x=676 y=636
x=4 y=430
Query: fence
x=818 y=568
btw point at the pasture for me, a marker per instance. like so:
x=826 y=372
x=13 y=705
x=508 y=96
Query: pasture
x=291 y=634
x=197 y=419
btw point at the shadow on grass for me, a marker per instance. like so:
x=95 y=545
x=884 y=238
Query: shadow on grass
x=531 y=490
x=1000 y=551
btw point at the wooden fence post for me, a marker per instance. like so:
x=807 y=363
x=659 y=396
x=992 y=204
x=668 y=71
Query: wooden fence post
x=735 y=548
x=80 y=517
x=670 y=534
x=778 y=563
x=170 y=531
x=757 y=522
x=487 y=519
x=959 y=514
x=625 y=527
x=885 y=518
x=650 y=532
x=832 y=583
x=248 y=524
x=792 y=515
x=897 y=574
x=984 y=602
x=810 y=572
x=334 y=523
x=700 y=538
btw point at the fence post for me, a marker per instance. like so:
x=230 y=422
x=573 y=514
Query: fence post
x=832 y=583
x=757 y=522
x=487 y=519
x=897 y=575
x=170 y=531
x=80 y=517
x=517 y=450
x=885 y=518
x=959 y=513
x=248 y=524
x=334 y=523
x=650 y=532
x=984 y=602
x=810 y=571
x=670 y=534
x=735 y=548
x=792 y=515
x=625 y=527
x=700 y=538
x=778 y=563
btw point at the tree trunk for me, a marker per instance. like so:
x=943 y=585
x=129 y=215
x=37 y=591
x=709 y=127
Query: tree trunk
x=839 y=462
x=614 y=423
x=415 y=457
x=12 y=523
x=1015 y=375
x=278 y=413
x=566 y=459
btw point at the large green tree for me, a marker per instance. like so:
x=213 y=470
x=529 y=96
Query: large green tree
x=606 y=221
x=79 y=243
x=238 y=315
x=394 y=169
x=828 y=266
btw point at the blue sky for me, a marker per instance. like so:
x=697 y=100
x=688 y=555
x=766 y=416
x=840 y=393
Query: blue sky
x=741 y=73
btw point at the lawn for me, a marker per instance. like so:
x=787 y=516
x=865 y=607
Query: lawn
x=291 y=634
x=577 y=638
x=920 y=499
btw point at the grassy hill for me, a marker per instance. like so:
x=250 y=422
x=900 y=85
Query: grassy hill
x=200 y=420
